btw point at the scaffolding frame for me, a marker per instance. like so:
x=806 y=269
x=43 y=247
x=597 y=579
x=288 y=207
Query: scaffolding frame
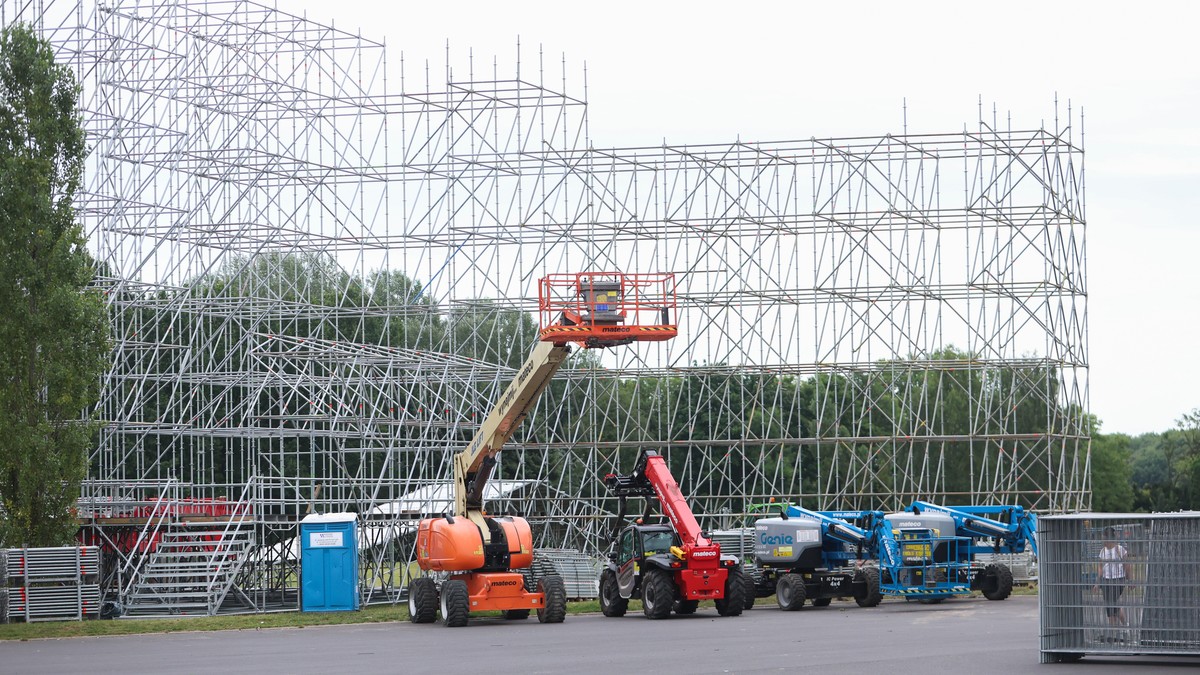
x=317 y=263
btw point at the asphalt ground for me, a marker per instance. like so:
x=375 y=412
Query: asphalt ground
x=964 y=635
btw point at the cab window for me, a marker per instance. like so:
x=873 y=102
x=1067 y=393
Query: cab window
x=656 y=542
x=625 y=549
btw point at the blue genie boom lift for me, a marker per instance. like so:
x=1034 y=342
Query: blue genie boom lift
x=925 y=553
x=810 y=555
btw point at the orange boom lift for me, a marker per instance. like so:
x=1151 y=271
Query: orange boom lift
x=482 y=553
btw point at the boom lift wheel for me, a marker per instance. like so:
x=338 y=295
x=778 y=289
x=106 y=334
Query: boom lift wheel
x=611 y=602
x=422 y=600
x=874 y=596
x=456 y=603
x=554 y=591
x=515 y=614
x=998 y=582
x=821 y=602
x=790 y=592
x=735 y=587
x=658 y=594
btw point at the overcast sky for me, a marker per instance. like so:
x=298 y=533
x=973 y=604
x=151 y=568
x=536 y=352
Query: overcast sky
x=697 y=72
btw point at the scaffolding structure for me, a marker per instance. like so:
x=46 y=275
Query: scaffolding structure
x=321 y=266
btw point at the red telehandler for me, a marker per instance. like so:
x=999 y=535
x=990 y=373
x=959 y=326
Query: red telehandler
x=481 y=555
x=668 y=566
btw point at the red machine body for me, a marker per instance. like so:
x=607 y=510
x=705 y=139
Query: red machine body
x=638 y=564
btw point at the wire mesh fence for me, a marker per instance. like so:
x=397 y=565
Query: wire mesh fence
x=1119 y=584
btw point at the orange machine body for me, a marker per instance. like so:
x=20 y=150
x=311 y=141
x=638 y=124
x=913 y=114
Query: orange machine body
x=500 y=590
x=456 y=544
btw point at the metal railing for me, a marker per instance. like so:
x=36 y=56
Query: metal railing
x=163 y=508
x=225 y=561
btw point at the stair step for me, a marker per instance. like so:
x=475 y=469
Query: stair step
x=217 y=533
x=199 y=555
x=174 y=596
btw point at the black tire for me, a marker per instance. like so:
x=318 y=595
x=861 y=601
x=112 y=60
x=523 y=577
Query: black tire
x=456 y=603
x=790 y=592
x=554 y=591
x=611 y=602
x=734 y=601
x=930 y=601
x=515 y=614
x=821 y=602
x=686 y=606
x=422 y=600
x=874 y=596
x=751 y=591
x=658 y=594
x=997 y=582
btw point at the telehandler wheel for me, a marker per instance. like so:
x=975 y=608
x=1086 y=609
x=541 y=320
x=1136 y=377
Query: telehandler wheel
x=686 y=606
x=658 y=594
x=874 y=596
x=611 y=602
x=998 y=581
x=422 y=600
x=751 y=592
x=456 y=603
x=790 y=592
x=515 y=614
x=555 y=592
x=735 y=587
x=821 y=602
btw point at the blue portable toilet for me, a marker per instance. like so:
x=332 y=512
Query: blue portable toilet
x=329 y=562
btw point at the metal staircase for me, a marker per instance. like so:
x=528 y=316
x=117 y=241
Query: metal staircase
x=194 y=564
x=193 y=569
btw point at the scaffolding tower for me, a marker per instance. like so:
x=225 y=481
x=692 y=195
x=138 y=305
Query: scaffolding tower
x=321 y=269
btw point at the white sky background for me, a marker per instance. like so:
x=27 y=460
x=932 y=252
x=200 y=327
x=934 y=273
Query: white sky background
x=702 y=72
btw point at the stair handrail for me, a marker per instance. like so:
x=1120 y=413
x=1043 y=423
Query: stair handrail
x=163 y=508
x=242 y=510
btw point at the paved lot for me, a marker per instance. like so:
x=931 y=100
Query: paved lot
x=970 y=636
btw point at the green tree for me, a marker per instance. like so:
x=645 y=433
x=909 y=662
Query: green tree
x=1112 y=489
x=53 y=331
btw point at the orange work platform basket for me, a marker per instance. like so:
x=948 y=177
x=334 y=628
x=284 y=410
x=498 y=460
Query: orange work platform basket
x=605 y=309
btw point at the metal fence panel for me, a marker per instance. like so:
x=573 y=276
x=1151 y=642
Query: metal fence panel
x=1119 y=584
x=51 y=584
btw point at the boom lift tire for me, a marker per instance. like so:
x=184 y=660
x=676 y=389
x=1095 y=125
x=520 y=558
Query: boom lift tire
x=422 y=600
x=658 y=594
x=874 y=596
x=998 y=584
x=554 y=590
x=735 y=588
x=790 y=592
x=515 y=614
x=822 y=602
x=686 y=606
x=750 y=592
x=456 y=603
x=930 y=601
x=611 y=602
